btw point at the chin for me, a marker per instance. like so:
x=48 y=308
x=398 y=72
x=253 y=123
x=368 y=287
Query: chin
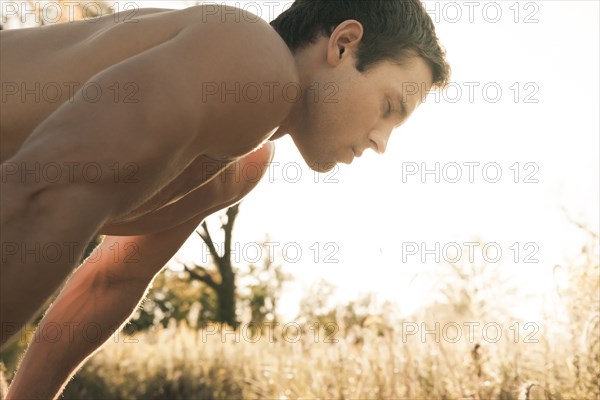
x=320 y=166
x=317 y=163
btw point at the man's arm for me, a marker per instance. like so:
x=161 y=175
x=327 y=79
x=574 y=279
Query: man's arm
x=97 y=300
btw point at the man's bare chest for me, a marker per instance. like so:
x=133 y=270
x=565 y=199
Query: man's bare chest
x=197 y=174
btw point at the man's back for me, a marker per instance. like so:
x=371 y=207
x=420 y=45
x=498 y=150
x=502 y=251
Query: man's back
x=43 y=68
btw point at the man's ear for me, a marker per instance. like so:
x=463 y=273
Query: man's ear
x=344 y=41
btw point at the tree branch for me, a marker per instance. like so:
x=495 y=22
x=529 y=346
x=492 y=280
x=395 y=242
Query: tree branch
x=232 y=213
x=206 y=238
x=204 y=277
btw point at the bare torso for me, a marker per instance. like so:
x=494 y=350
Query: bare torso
x=48 y=64
x=45 y=65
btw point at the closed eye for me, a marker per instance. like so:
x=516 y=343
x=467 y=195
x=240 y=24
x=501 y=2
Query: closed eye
x=389 y=109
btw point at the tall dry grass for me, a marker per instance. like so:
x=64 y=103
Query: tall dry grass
x=372 y=362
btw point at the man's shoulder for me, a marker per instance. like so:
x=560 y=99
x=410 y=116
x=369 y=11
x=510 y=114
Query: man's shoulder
x=246 y=78
x=244 y=39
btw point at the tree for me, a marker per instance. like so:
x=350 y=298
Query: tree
x=263 y=281
x=225 y=286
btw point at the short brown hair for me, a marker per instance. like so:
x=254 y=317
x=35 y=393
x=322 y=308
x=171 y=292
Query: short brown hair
x=393 y=30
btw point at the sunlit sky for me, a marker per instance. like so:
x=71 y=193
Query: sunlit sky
x=369 y=212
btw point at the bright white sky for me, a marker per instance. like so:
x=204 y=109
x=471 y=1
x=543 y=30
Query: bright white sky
x=371 y=211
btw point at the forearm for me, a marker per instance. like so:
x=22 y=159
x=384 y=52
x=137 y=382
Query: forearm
x=84 y=316
x=100 y=296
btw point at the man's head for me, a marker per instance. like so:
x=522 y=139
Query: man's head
x=357 y=60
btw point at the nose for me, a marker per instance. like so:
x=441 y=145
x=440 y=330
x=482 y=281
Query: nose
x=379 y=140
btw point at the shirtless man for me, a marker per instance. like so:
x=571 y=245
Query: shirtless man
x=166 y=109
